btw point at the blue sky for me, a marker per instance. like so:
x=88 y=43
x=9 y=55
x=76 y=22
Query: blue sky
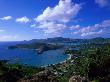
x=30 y=19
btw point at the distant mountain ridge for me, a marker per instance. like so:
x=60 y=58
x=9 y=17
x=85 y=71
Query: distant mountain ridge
x=67 y=40
x=55 y=39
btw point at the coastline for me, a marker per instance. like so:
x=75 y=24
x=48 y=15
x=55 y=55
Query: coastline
x=68 y=57
x=58 y=63
x=51 y=64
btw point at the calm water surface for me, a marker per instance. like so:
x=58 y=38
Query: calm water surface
x=30 y=57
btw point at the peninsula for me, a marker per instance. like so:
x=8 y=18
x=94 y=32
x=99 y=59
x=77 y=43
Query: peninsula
x=39 y=47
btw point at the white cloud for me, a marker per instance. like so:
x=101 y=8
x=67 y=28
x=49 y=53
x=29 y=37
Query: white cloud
x=52 y=28
x=8 y=37
x=53 y=20
x=63 y=12
x=2 y=30
x=105 y=23
x=102 y=3
x=92 y=33
x=23 y=20
x=77 y=27
x=6 y=18
x=33 y=25
x=95 y=30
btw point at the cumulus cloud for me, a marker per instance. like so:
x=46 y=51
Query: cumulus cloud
x=94 y=30
x=62 y=12
x=23 y=20
x=102 y=3
x=6 y=18
x=53 y=20
x=51 y=27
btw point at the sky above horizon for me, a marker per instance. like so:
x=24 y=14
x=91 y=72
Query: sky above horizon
x=36 y=19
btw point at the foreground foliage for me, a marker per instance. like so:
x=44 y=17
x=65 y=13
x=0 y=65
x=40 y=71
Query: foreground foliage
x=12 y=73
x=92 y=62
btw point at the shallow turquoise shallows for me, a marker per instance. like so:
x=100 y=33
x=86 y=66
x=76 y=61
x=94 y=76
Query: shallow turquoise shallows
x=30 y=57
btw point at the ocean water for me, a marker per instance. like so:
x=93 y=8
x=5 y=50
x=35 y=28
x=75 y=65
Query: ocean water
x=30 y=57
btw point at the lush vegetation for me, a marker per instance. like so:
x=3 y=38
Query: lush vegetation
x=89 y=59
x=94 y=63
x=90 y=62
x=40 y=47
x=14 y=72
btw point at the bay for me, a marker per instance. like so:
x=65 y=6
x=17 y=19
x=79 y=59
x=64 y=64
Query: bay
x=30 y=57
